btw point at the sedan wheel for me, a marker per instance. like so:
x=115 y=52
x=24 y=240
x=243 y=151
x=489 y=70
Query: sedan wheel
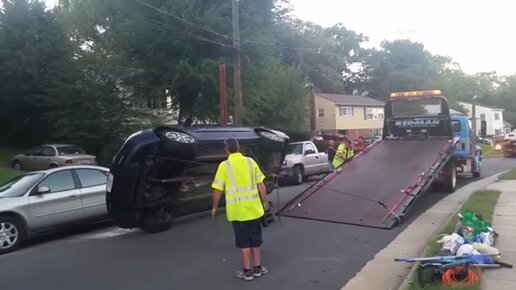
x=17 y=165
x=11 y=234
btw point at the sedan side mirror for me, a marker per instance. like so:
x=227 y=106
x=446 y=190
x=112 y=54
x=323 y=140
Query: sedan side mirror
x=43 y=189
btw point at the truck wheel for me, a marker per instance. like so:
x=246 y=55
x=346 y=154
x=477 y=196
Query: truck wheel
x=155 y=222
x=476 y=174
x=298 y=175
x=450 y=181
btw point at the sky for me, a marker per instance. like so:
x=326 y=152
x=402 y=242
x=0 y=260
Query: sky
x=478 y=34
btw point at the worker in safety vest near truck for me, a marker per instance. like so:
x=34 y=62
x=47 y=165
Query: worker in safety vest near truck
x=344 y=152
x=241 y=180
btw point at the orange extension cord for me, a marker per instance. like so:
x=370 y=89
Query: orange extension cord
x=450 y=279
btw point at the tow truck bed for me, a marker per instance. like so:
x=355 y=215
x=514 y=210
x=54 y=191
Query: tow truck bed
x=368 y=190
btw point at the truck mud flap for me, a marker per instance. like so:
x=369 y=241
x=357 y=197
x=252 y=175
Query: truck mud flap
x=375 y=188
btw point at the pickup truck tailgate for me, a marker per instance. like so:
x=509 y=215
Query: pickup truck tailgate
x=355 y=194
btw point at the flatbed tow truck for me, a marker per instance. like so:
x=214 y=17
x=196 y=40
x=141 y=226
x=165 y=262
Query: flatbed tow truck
x=377 y=186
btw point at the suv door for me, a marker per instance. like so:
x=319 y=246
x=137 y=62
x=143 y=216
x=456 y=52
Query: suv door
x=93 y=192
x=62 y=205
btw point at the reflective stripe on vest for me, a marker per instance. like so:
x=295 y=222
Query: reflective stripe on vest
x=234 y=188
x=242 y=198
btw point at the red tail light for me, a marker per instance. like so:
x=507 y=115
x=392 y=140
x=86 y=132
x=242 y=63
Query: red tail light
x=69 y=161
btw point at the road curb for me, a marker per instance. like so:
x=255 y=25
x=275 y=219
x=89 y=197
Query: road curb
x=406 y=282
x=391 y=275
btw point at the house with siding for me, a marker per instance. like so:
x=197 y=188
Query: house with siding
x=351 y=115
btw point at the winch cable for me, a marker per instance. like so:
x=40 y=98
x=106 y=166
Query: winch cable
x=380 y=202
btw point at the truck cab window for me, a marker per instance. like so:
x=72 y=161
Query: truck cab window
x=456 y=126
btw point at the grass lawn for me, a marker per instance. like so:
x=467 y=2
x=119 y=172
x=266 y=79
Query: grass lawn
x=6 y=154
x=511 y=174
x=7 y=173
x=489 y=151
x=480 y=202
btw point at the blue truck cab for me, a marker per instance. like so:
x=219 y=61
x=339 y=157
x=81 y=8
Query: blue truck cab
x=467 y=161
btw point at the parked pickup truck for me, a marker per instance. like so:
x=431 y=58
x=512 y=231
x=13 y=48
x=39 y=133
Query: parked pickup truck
x=302 y=160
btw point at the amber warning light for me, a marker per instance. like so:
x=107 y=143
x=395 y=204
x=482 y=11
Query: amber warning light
x=430 y=93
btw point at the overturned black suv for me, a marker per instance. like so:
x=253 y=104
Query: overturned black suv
x=166 y=172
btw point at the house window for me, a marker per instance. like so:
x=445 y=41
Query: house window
x=373 y=113
x=321 y=113
x=497 y=116
x=483 y=117
x=498 y=132
x=346 y=111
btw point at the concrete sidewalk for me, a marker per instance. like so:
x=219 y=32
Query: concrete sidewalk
x=504 y=222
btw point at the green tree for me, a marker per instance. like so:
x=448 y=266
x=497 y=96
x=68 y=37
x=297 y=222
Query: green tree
x=32 y=47
x=399 y=65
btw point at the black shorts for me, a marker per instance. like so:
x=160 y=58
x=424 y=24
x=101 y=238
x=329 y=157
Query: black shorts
x=248 y=234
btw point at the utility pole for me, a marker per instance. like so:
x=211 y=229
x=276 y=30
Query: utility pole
x=236 y=65
x=223 y=95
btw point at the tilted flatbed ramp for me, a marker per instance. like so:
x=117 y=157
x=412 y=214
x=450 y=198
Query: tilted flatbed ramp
x=376 y=186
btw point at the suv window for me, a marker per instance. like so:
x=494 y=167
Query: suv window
x=59 y=181
x=91 y=177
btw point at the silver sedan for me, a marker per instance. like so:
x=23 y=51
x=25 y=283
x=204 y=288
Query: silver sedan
x=41 y=201
x=52 y=155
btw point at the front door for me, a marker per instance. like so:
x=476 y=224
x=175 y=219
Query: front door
x=311 y=159
x=62 y=205
x=34 y=159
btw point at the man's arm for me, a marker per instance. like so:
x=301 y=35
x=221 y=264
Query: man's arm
x=218 y=186
x=217 y=194
x=262 y=189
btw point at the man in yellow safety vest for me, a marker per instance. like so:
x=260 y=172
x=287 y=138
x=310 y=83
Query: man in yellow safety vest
x=241 y=180
x=344 y=152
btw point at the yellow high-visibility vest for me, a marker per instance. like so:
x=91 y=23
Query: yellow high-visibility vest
x=338 y=160
x=238 y=177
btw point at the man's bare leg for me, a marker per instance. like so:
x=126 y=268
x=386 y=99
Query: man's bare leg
x=246 y=258
x=256 y=257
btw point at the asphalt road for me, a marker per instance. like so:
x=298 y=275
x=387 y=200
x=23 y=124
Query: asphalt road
x=198 y=253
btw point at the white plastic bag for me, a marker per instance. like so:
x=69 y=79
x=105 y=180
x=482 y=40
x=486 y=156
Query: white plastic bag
x=451 y=242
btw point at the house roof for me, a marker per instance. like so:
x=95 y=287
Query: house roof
x=506 y=124
x=352 y=100
x=484 y=106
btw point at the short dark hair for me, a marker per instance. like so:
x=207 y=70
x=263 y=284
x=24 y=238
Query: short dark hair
x=231 y=145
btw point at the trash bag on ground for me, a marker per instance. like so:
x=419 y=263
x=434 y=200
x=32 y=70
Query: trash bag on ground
x=450 y=244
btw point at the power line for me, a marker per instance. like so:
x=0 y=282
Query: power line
x=169 y=29
x=184 y=20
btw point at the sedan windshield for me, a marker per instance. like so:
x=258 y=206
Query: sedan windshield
x=18 y=186
x=69 y=150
